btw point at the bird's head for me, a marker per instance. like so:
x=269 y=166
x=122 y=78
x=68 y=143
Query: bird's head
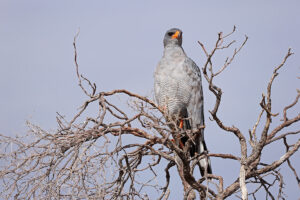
x=173 y=36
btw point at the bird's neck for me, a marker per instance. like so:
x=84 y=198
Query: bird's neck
x=174 y=51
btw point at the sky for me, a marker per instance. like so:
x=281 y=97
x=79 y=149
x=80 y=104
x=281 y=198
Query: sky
x=119 y=46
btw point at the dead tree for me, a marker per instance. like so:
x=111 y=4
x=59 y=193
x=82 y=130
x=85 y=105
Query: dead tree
x=108 y=152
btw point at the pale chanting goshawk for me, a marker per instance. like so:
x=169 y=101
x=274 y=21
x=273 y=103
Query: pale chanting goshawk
x=178 y=90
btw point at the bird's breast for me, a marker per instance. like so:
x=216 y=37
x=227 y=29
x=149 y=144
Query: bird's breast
x=174 y=89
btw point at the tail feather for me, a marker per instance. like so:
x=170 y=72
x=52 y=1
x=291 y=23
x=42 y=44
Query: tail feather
x=199 y=147
x=205 y=164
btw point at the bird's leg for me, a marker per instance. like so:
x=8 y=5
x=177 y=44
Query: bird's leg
x=181 y=124
x=178 y=137
x=181 y=145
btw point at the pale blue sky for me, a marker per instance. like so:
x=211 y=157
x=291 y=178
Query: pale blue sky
x=119 y=45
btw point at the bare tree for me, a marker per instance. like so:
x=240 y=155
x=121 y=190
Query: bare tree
x=107 y=151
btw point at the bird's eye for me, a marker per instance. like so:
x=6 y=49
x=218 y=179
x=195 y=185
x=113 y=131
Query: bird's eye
x=170 y=33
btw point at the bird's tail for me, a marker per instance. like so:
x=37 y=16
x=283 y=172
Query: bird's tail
x=199 y=147
x=204 y=164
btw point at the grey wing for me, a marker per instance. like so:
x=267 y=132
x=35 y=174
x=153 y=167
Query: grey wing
x=157 y=89
x=157 y=84
x=196 y=113
x=195 y=106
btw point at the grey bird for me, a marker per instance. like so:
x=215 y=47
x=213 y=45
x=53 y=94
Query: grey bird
x=178 y=90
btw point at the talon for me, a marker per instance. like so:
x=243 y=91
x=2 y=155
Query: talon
x=181 y=145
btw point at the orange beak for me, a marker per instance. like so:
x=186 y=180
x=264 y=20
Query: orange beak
x=176 y=35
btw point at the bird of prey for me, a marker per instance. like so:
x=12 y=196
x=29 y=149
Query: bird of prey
x=178 y=90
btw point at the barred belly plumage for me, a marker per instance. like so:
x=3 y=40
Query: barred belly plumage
x=174 y=96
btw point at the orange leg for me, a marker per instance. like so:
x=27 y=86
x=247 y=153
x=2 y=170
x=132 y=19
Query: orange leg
x=181 y=124
x=181 y=145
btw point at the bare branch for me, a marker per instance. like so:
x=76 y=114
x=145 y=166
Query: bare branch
x=116 y=154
